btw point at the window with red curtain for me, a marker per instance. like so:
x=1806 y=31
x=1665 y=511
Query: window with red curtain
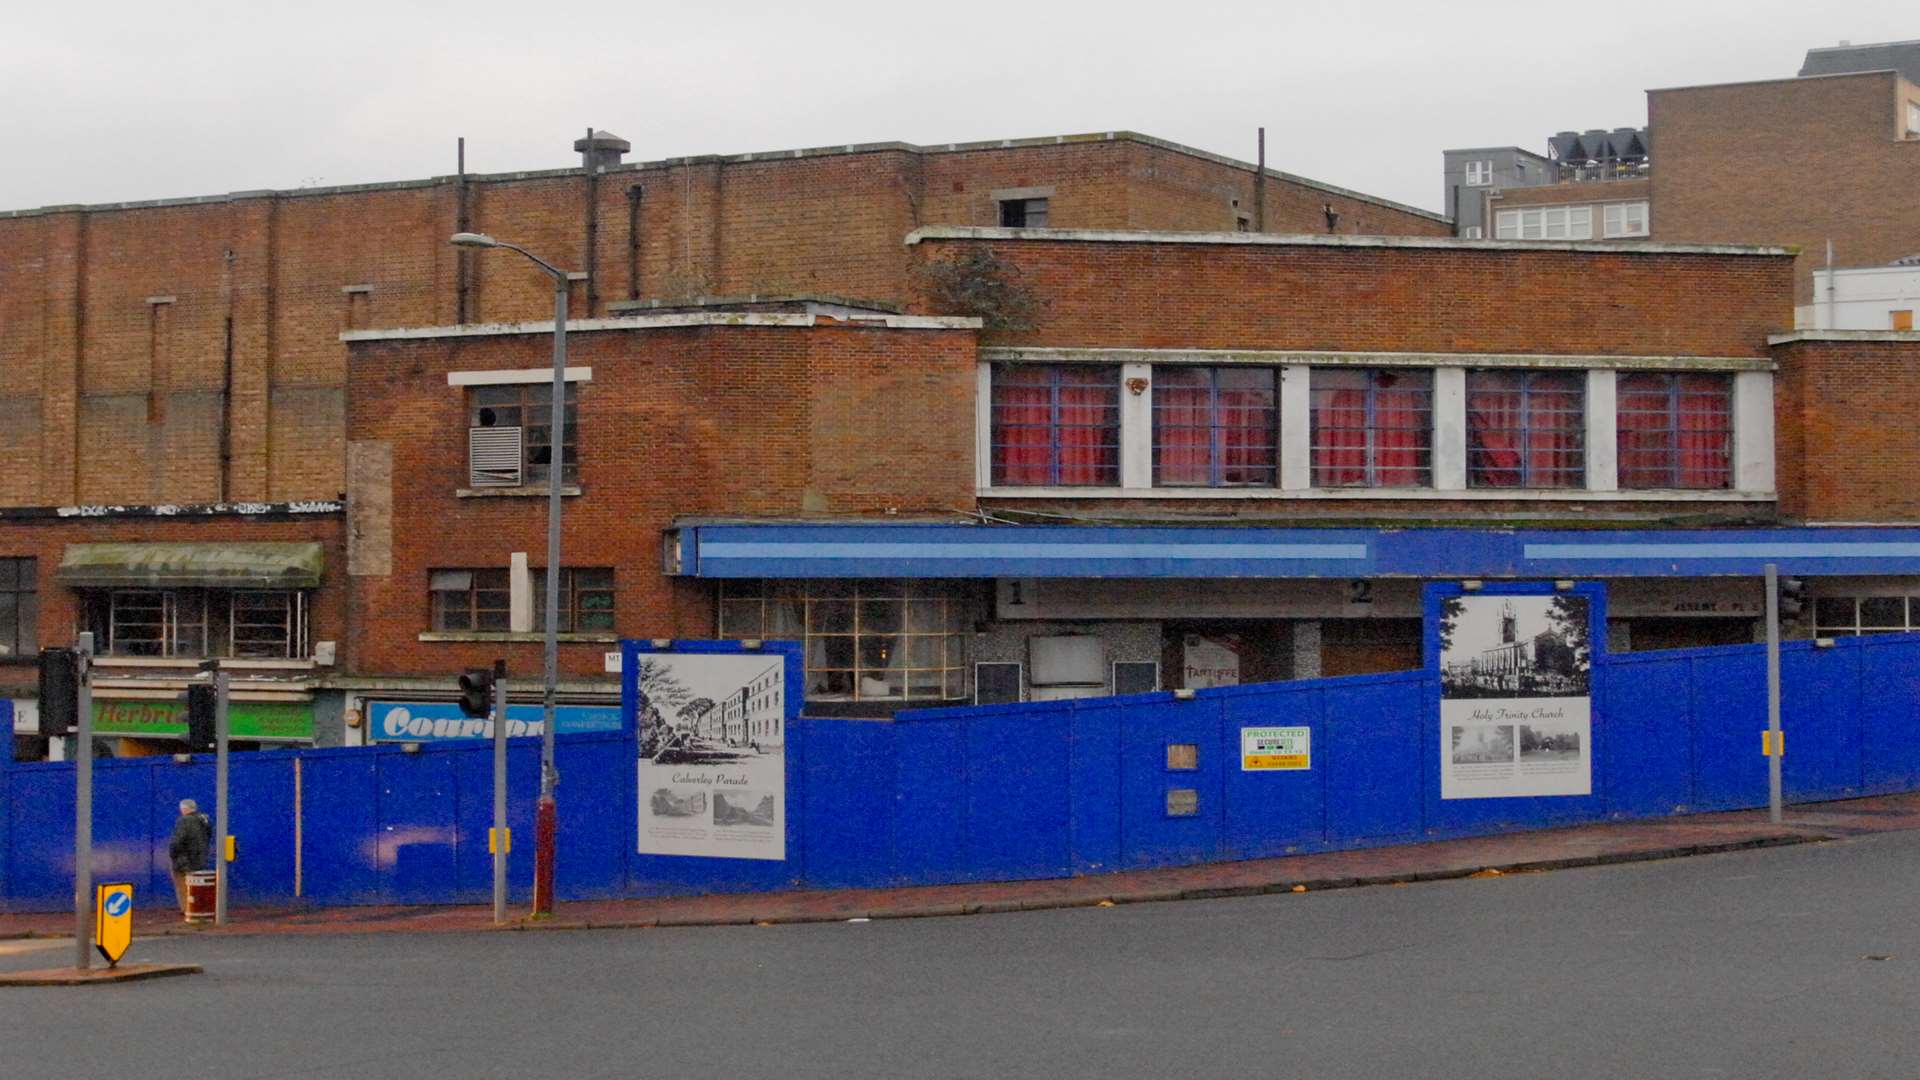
x=1526 y=429
x=1056 y=425
x=1372 y=427
x=1214 y=427
x=1675 y=429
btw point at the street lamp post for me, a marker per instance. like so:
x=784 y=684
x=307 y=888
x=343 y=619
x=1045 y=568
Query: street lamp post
x=545 y=820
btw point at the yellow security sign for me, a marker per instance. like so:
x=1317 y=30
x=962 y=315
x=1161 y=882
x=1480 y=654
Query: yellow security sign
x=113 y=920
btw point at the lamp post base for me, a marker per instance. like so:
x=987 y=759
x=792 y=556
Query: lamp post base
x=545 y=824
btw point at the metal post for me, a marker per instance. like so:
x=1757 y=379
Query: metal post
x=220 y=690
x=1773 y=694
x=499 y=791
x=546 y=819
x=83 y=810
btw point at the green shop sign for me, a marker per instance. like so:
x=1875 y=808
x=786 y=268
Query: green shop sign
x=271 y=720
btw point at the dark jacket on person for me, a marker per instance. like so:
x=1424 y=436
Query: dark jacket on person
x=191 y=844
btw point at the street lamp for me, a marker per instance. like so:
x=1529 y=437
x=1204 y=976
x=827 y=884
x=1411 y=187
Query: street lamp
x=545 y=819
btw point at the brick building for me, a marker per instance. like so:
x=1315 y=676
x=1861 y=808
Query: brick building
x=1201 y=456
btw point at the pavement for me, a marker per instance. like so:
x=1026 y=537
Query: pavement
x=1488 y=856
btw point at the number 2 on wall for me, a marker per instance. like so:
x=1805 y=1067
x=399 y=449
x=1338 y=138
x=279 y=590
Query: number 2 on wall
x=1359 y=592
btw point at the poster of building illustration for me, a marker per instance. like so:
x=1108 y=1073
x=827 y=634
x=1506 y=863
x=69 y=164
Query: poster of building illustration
x=1515 y=695
x=712 y=734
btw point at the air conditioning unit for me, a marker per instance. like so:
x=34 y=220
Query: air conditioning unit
x=493 y=457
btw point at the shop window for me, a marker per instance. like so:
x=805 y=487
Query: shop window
x=1526 y=429
x=1056 y=425
x=471 y=600
x=1675 y=430
x=1214 y=427
x=1372 y=428
x=19 y=607
x=1847 y=616
x=267 y=624
x=586 y=600
x=1023 y=213
x=510 y=435
x=877 y=640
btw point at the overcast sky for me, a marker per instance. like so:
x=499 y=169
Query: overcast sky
x=112 y=100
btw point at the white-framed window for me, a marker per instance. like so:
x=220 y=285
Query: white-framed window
x=1850 y=616
x=1479 y=173
x=1624 y=219
x=866 y=640
x=1913 y=119
x=1472 y=232
x=192 y=623
x=1545 y=223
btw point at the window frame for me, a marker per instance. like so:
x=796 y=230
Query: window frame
x=1671 y=429
x=1514 y=223
x=1856 y=625
x=533 y=403
x=1477 y=173
x=576 y=583
x=999 y=471
x=496 y=586
x=1217 y=449
x=1529 y=377
x=1318 y=449
x=20 y=591
x=1609 y=230
x=832 y=617
x=1025 y=208
x=198 y=623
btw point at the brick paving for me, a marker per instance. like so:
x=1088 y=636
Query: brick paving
x=1519 y=852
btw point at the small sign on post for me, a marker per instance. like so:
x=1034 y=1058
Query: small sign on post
x=113 y=920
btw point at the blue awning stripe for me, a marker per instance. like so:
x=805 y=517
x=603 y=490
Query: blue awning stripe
x=1723 y=551
x=936 y=550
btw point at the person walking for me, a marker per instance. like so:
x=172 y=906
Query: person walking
x=192 y=842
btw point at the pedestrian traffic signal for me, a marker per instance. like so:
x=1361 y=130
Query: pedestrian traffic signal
x=476 y=692
x=59 y=691
x=201 y=737
x=1792 y=598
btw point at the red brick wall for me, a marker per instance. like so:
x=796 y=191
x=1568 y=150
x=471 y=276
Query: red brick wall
x=1846 y=450
x=46 y=539
x=1796 y=161
x=786 y=421
x=118 y=401
x=1395 y=299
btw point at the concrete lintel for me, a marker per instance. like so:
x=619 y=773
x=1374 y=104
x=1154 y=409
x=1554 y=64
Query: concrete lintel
x=1284 y=357
x=1908 y=337
x=1141 y=236
x=659 y=322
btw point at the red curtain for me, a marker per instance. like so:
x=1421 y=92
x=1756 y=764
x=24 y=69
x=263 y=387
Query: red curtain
x=1089 y=427
x=1022 y=426
x=1703 y=431
x=1556 y=422
x=1493 y=423
x=1340 y=428
x=1401 y=412
x=1644 y=430
x=1183 y=426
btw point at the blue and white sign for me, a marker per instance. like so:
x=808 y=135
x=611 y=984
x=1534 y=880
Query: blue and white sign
x=440 y=721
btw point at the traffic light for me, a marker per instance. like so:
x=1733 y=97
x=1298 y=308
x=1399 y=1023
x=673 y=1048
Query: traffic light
x=59 y=691
x=200 y=707
x=476 y=692
x=1792 y=598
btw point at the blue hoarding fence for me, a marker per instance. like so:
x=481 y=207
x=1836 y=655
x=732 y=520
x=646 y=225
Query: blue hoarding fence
x=1033 y=790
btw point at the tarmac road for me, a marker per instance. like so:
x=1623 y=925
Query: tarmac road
x=1785 y=962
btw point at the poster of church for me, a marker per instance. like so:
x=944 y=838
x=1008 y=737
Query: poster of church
x=1516 y=716
x=713 y=774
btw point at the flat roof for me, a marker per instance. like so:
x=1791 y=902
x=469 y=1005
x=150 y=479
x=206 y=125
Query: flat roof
x=1764 y=82
x=1130 y=236
x=733 y=159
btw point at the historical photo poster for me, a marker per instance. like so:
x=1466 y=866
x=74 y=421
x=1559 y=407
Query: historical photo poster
x=1515 y=696
x=713 y=776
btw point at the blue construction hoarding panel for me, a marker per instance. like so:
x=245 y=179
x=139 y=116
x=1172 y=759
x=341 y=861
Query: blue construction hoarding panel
x=1043 y=789
x=1045 y=551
